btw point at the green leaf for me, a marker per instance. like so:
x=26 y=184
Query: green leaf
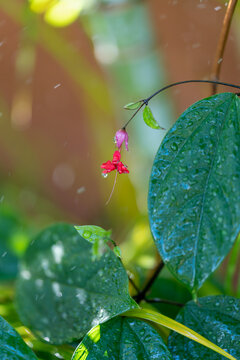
x=12 y=345
x=122 y=339
x=194 y=194
x=13 y=241
x=169 y=323
x=215 y=317
x=117 y=251
x=133 y=105
x=99 y=237
x=93 y=233
x=62 y=292
x=149 y=119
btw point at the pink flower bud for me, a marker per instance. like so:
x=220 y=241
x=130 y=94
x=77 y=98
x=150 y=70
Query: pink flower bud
x=120 y=137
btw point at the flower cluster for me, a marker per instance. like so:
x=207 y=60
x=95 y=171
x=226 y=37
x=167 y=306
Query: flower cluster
x=115 y=164
x=121 y=136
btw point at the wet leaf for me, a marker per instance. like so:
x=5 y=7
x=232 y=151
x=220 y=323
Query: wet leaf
x=133 y=105
x=117 y=251
x=62 y=292
x=93 y=233
x=122 y=339
x=149 y=119
x=215 y=317
x=194 y=194
x=169 y=323
x=99 y=237
x=12 y=345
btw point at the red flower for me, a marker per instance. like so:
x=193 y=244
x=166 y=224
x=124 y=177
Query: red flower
x=115 y=164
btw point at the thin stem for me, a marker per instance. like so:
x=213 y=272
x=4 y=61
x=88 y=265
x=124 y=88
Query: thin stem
x=133 y=284
x=124 y=127
x=141 y=295
x=222 y=43
x=189 y=81
x=164 y=301
x=145 y=101
x=110 y=196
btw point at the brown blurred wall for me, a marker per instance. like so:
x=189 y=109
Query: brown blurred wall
x=58 y=153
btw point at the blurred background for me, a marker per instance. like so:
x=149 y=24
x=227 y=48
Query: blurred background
x=67 y=68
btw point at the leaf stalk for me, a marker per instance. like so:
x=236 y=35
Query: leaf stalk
x=145 y=101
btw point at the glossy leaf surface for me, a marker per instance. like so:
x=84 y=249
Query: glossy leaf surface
x=194 y=194
x=62 y=292
x=122 y=339
x=12 y=345
x=99 y=237
x=215 y=317
x=149 y=119
x=93 y=233
x=169 y=323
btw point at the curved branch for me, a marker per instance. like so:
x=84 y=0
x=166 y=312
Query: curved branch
x=222 y=42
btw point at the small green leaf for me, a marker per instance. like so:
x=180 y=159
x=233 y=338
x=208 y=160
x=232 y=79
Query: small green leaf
x=194 y=192
x=215 y=317
x=133 y=105
x=12 y=345
x=117 y=251
x=149 y=119
x=93 y=233
x=123 y=339
x=171 y=324
x=62 y=292
x=98 y=237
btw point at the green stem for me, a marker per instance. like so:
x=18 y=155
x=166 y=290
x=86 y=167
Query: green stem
x=171 y=324
x=141 y=295
x=145 y=101
x=163 y=301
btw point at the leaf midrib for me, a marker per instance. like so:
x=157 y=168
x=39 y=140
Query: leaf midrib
x=205 y=191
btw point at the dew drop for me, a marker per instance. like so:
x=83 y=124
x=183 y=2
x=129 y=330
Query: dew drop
x=87 y=234
x=182 y=169
x=189 y=124
x=212 y=131
x=104 y=175
x=174 y=146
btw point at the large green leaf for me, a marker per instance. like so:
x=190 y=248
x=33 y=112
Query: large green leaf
x=194 y=194
x=12 y=346
x=122 y=339
x=169 y=323
x=62 y=292
x=215 y=317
